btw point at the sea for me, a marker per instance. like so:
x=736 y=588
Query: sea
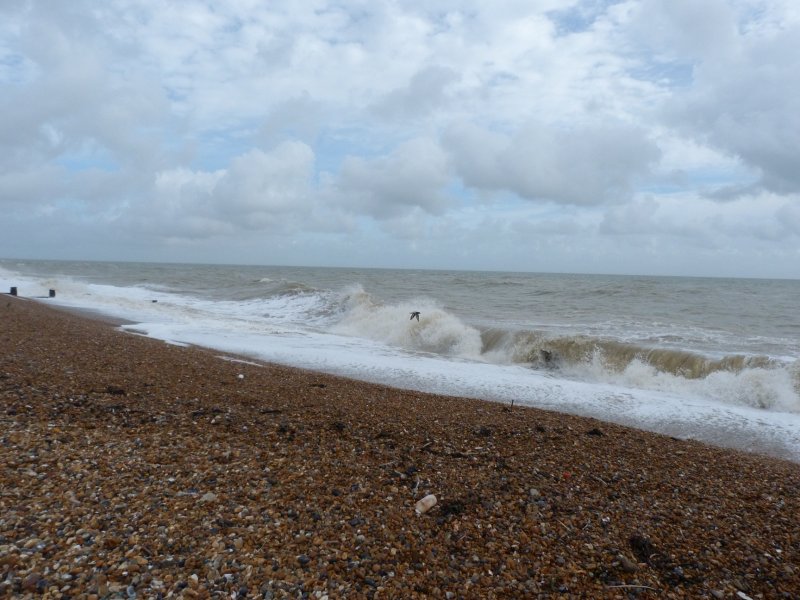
x=710 y=359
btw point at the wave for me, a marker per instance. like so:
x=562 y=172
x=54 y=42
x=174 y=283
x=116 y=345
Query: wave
x=437 y=331
x=756 y=381
x=538 y=349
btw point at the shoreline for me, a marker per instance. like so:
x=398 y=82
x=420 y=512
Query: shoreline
x=132 y=462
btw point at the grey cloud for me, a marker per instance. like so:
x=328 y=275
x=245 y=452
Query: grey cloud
x=685 y=29
x=26 y=189
x=425 y=92
x=789 y=216
x=700 y=222
x=300 y=117
x=414 y=175
x=51 y=189
x=583 y=166
x=742 y=99
x=80 y=105
x=635 y=218
x=749 y=109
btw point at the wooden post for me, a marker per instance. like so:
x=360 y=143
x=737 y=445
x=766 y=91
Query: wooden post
x=13 y=291
x=52 y=293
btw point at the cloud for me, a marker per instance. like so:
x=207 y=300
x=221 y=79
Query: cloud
x=686 y=30
x=414 y=175
x=583 y=166
x=425 y=92
x=79 y=102
x=741 y=100
x=748 y=221
x=27 y=189
x=512 y=126
x=264 y=191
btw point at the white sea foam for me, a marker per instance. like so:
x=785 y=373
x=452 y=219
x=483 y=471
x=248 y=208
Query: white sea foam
x=436 y=331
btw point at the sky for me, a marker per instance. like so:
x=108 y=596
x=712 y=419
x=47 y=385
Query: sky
x=657 y=137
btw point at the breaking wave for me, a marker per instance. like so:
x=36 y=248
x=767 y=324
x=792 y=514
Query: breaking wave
x=437 y=331
x=756 y=381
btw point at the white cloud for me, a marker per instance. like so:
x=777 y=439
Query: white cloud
x=259 y=191
x=449 y=125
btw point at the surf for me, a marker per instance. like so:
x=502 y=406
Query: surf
x=529 y=347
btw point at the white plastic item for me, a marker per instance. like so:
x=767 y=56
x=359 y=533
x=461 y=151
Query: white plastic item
x=425 y=504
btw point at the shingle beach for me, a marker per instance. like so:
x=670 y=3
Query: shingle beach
x=131 y=468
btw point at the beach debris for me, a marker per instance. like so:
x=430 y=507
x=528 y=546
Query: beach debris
x=425 y=504
x=596 y=432
x=642 y=547
x=627 y=564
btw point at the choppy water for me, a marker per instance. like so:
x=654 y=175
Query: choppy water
x=715 y=359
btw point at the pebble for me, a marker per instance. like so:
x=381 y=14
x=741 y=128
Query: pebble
x=31 y=582
x=292 y=506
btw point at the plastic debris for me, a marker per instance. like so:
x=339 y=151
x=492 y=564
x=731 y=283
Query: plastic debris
x=425 y=504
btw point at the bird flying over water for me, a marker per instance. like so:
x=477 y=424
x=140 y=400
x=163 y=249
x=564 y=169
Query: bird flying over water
x=414 y=314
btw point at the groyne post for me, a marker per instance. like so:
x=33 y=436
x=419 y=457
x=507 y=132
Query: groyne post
x=13 y=291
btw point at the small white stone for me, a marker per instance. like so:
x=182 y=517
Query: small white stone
x=425 y=504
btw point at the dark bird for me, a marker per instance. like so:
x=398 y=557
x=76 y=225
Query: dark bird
x=414 y=314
